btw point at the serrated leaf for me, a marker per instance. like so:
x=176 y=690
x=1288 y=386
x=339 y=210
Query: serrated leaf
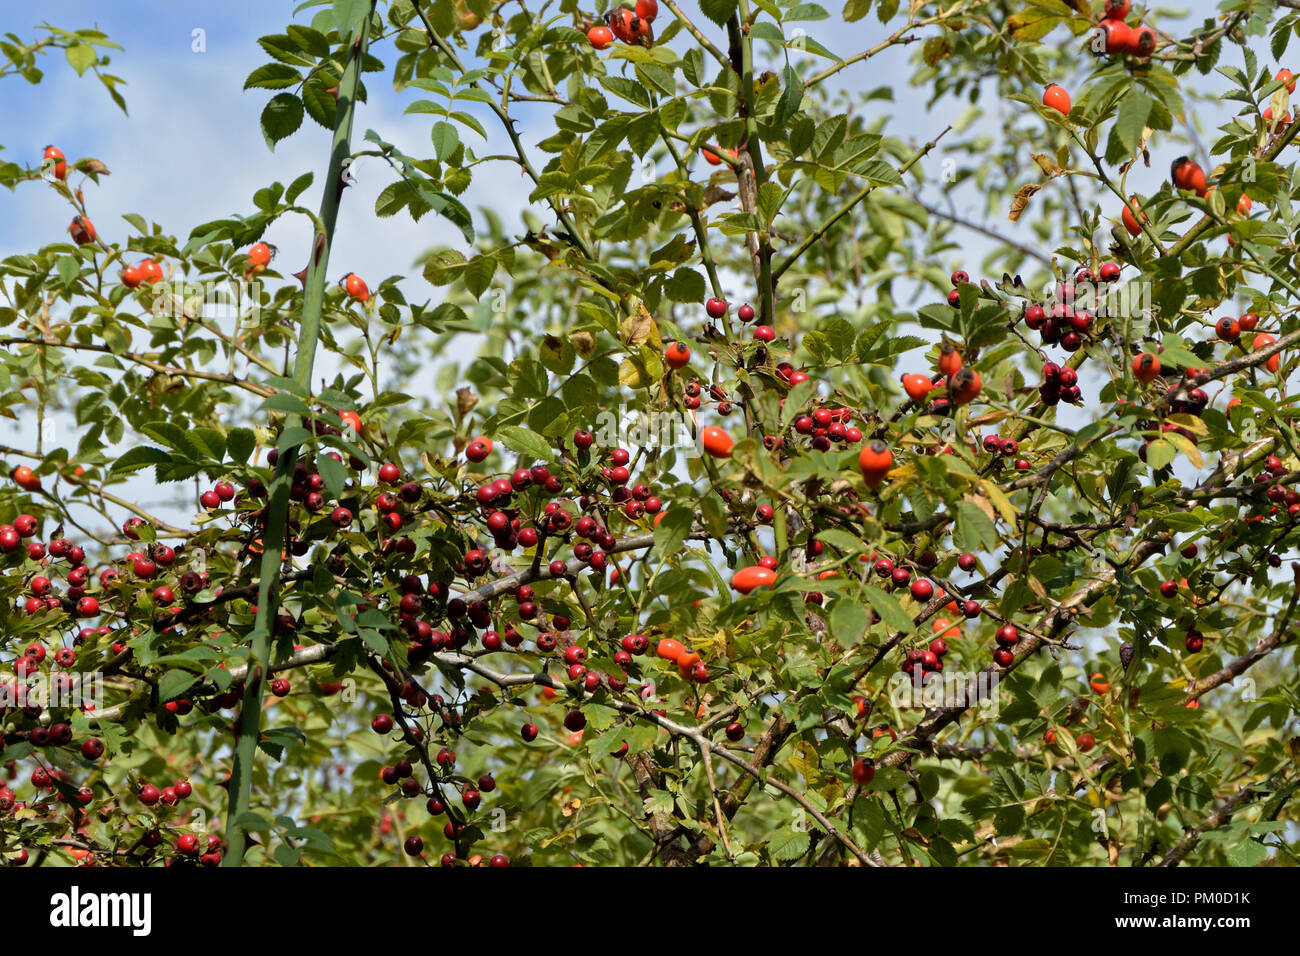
x=273 y=76
x=975 y=528
x=719 y=11
x=333 y=473
x=890 y=611
x=140 y=457
x=849 y=621
x=174 y=683
x=445 y=140
x=81 y=57
x=240 y=443
x=281 y=118
x=525 y=442
x=855 y=10
x=671 y=531
x=789 y=844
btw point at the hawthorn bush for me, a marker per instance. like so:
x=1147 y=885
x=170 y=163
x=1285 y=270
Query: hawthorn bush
x=753 y=533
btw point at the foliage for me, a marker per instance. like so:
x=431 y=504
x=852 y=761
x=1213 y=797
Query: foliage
x=1110 y=537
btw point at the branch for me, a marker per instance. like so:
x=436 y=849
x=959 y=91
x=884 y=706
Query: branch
x=277 y=509
x=844 y=210
x=1218 y=818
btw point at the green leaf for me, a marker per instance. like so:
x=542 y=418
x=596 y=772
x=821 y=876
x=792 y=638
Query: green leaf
x=373 y=640
x=791 y=95
x=719 y=11
x=240 y=443
x=174 y=683
x=349 y=14
x=69 y=267
x=849 y=621
x=320 y=104
x=445 y=140
x=478 y=274
x=1160 y=453
x=312 y=41
x=140 y=457
x=890 y=611
x=855 y=10
x=789 y=844
x=81 y=57
x=526 y=442
x=1127 y=131
x=333 y=473
x=273 y=76
x=289 y=404
x=281 y=118
x=253 y=822
x=671 y=531
x=975 y=530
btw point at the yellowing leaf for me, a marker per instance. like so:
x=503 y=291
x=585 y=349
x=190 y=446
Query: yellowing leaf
x=805 y=761
x=1031 y=25
x=1191 y=423
x=1187 y=447
x=1048 y=165
x=1000 y=501
x=636 y=372
x=639 y=328
x=983 y=504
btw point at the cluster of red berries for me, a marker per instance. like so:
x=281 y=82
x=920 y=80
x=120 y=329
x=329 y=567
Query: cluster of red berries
x=694 y=395
x=1278 y=496
x=1119 y=37
x=146 y=271
x=825 y=427
x=631 y=25
x=1006 y=448
x=716 y=308
x=1067 y=321
x=1060 y=384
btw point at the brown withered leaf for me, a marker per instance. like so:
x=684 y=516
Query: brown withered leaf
x=1048 y=165
x=92 y=168
x=639 y=328
x=1021 y=200
x=715 y=194
x=584 y=343
x=465 y=402
x=1142 y=153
